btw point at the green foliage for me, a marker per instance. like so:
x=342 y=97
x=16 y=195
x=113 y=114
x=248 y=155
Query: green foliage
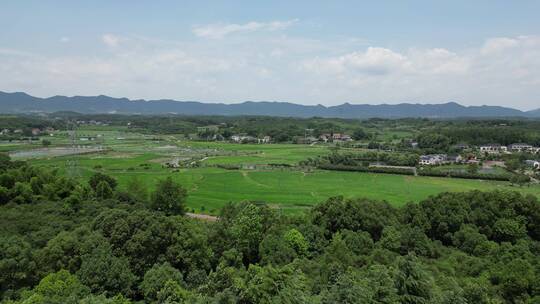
x=169 y=197
x=157 y=279
x=57 y=288
x=104 y=272
x=413 y=283
x=172 y=292
x=103 y=190
x=69 y=247
x=99 y=177
x=296 y=240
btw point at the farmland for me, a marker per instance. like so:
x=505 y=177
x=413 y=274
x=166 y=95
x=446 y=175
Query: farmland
x=130 y=155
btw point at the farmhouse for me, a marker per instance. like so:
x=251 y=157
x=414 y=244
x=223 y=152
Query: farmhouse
x=520 y=147
x=211 y=128
x=433 y=159
x=266 y=139
x=335 y=137
x=36 y=131
x=493 y=148
x=341 y=137
x=243 y=138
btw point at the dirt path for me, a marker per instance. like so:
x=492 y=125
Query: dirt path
x=204 y=217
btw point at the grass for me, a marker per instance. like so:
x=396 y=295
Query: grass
x=291 y=190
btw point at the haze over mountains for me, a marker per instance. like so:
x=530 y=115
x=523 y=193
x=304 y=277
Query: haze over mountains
x=24 y=103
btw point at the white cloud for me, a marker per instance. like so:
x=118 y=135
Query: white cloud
x=111 y=40
x=217 y=31
x=495 y=45
x=280 y=67
x=64 y=39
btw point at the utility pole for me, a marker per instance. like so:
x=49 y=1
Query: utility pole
x=72 y=164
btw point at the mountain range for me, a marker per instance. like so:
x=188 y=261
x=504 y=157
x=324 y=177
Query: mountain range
x=23 y=103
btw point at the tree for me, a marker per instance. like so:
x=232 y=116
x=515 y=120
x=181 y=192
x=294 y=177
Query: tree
x=4 y=195
x=137 y=189
x=104 y=272
x=58 y=288
x=100 y=177
x=46 y=143
x=414 y=286
x=359 y=134
x=169 y=197
x=472 y=168
x=157 y=278
x=172 y=292
x=519 y=179
x=104 y=190
x=16 y=262
x=508 y=230
x=296 y=240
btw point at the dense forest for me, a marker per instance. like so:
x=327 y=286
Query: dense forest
x=68 y=241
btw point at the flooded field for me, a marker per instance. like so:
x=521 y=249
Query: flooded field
x=53 y=152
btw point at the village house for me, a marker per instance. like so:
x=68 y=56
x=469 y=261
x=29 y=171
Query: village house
x=36 y=131
x=265 y=140
x=4 y=132
x=433 y=159
x=455 y=159
x=341 y=137
x=336 y=137
x=243 y=139
x=520 y=147
x=324 y=137
x=493 y=148
x=205 y=129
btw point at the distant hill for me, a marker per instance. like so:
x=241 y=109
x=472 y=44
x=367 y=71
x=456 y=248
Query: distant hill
x=24 y=103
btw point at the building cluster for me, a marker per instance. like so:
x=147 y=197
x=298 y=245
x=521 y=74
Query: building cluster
x=250 y=139
x=439 y=159
x=92 y=122
x=513 y=148
x=33 y=131
x=335 y=137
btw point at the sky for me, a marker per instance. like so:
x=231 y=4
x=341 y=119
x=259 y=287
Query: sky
x=308 y=52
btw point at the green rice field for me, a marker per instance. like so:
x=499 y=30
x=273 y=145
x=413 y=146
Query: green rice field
x=131 y=155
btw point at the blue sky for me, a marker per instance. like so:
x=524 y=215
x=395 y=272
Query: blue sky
x=309 y=52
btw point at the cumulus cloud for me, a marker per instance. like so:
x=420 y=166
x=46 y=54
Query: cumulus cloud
x=111 y=40
x=495 y=45
x=503 y=70
x=376 y=61
x=217 y=31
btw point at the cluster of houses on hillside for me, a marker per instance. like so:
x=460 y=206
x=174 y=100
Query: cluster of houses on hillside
x=250 y=139
x=518 y=147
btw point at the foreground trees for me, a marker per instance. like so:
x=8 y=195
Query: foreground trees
x=63 y=242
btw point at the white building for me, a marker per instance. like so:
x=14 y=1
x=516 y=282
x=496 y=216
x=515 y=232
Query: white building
x=433 y=159
x=264 y=140
x=493 y=148
x=520 y=147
